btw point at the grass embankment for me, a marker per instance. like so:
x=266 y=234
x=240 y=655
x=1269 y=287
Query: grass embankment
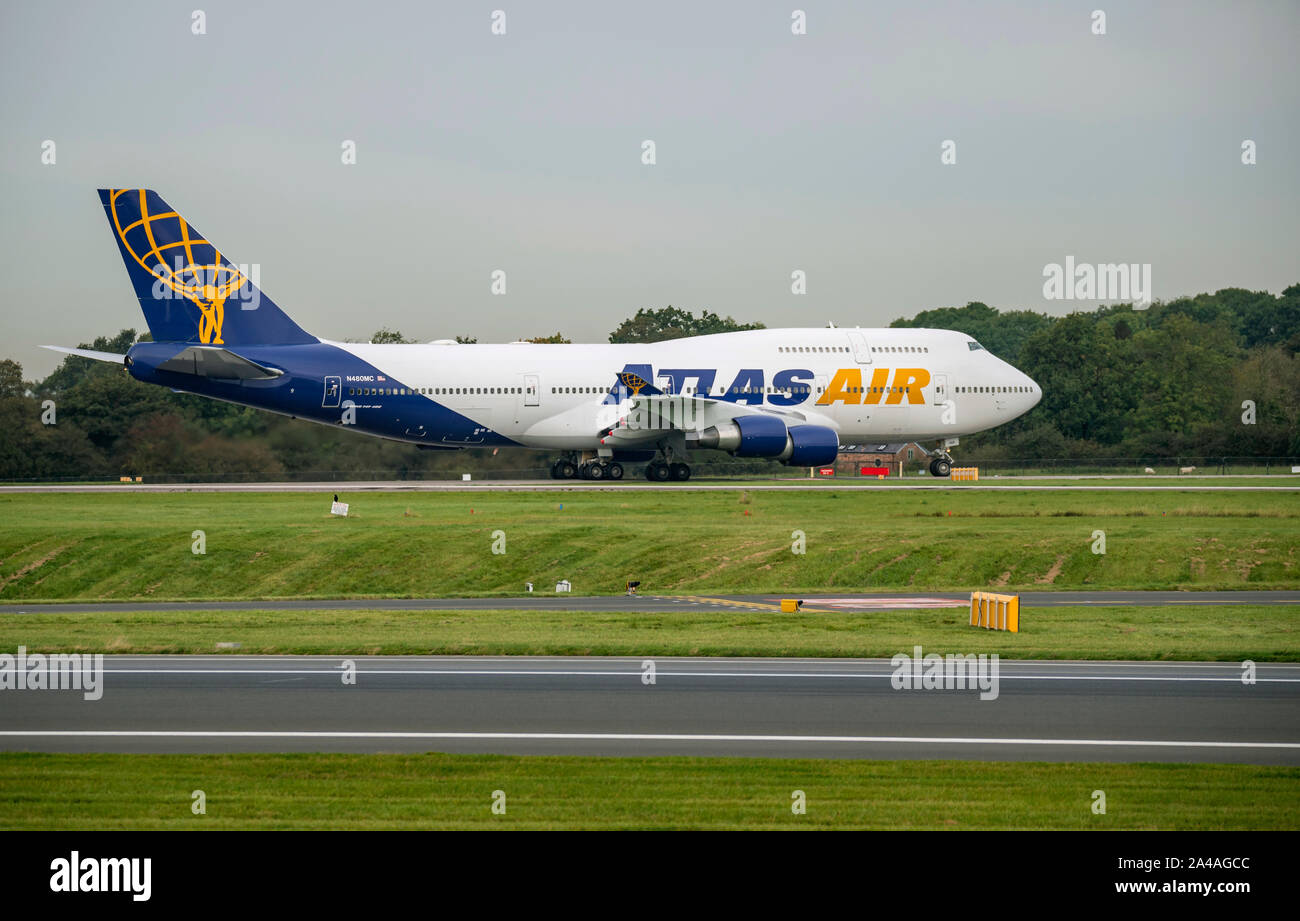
x=291 y=791
x=1228 y=633
x=138 y=546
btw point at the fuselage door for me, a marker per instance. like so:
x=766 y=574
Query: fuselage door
x=861 y=351
x=532 y=390
x=333 y=390
x=940 y=389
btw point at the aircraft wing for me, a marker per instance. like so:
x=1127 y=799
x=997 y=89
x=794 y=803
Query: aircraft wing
x=649 y=416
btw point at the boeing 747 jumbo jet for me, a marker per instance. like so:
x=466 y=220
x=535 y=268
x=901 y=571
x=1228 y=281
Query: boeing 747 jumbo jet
x=794 y=395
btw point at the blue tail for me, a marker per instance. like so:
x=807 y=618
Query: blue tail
x=188 y=290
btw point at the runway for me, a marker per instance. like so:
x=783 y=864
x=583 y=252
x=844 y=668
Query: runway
x=654 y=604
x=1184 y=484
x=825 y=708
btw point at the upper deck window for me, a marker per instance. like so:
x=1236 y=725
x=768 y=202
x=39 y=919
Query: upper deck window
x=974 y=346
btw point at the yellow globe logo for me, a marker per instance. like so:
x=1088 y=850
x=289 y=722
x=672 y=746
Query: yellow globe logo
x=167 y=248
x=632 y=381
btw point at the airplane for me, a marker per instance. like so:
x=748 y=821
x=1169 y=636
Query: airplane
x=793 y=395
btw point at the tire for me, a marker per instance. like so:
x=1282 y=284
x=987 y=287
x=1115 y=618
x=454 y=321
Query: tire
x=595 y=472
x=568 y=470
x=658 y=472
x=681 y=472
x=941 y=467
x=615 y=471
x=557 y=473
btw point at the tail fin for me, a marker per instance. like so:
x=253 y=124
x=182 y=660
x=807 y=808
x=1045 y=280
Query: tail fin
x=188 y=290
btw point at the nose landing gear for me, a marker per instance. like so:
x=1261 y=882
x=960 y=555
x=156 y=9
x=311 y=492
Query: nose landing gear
x=941 y=466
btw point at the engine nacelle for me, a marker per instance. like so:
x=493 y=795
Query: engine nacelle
x=747 y=436
x=767 y=436
x=811 y=446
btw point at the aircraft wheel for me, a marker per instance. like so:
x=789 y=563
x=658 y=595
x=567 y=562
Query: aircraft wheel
x=658 y=472
x=568 y=470
x=615 y=471
x=557 y=470
x=681 y=471
x=594 y=471
x=941 y=467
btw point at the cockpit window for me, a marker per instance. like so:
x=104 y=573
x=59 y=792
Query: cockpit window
x=974 y=346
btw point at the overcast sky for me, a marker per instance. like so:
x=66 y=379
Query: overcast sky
x=523 y=152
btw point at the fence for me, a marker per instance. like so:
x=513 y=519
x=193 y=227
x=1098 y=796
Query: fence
x=731 y=469
x=1133 y=466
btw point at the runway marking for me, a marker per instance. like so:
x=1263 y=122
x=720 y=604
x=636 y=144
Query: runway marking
x=815 y=605
x=658 y=604
x=564 y=673
x=635 y=662
x=885 y=603
x=620 y=737
x=720 y=602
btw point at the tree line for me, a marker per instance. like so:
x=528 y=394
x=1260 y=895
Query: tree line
x=1119 y=381
x=1210 y=375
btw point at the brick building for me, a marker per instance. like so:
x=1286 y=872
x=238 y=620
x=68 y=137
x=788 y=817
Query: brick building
x=853 y=458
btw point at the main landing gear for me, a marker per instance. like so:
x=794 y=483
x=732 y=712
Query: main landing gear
x=595 y=469
x=588 y=466
x=663 y=471
x=668 y=467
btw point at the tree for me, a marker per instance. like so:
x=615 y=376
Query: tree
x=1003 y=334
x=557 y=339
x=467 y=340
x=1182 y=373
x=388 y=336
x=31 y=449
x=11 y=378
x=1085 y=376
x=670 y=323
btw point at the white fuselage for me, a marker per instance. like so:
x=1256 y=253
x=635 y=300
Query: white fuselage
x=894 y=384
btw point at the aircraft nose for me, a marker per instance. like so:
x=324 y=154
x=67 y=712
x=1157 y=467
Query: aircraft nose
x=1035 y=392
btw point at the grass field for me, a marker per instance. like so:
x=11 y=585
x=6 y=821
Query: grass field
x=291 y=791
x=138 y=545
x=1229 y=633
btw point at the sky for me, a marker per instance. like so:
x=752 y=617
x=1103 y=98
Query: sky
x=523 y=152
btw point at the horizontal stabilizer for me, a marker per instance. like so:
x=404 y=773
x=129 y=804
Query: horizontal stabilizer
x=87 y=353
x=217 y=363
